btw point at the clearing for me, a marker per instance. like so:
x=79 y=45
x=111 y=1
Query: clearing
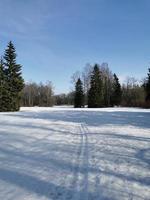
x=75 y=154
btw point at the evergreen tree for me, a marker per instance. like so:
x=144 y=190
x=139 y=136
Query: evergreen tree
x=1 y=84
x=4 y=93
x=147 y=87
x=79 y=94
x=95 y=94
x=107 y=91
x=13 y=77
x=116 y=92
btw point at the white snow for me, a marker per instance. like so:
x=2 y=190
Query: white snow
x=75 y=154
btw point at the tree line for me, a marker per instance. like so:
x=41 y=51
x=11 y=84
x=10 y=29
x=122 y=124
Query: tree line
x=37 y=94
x=98 y=87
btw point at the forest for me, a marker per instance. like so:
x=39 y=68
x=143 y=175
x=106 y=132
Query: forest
x=96 y=86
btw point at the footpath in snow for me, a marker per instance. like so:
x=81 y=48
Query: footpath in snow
x=75 y=154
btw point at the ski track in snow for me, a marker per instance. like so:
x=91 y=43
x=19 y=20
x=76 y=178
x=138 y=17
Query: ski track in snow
x=80 y=182
x=75 y=154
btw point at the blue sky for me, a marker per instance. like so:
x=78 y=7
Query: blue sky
x=54 y=38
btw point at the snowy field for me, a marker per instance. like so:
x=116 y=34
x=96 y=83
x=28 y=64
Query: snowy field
x=75 y=154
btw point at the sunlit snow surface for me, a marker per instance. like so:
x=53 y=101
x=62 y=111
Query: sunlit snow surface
x=75 y=154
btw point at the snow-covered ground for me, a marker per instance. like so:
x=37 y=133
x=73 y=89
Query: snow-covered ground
x=75 y=154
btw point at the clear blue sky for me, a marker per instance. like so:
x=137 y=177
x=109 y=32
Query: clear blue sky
x=54 y=38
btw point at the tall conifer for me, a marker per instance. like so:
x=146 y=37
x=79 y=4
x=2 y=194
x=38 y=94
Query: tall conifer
x=116 y=92
x=79 y=94
x=13 y=77
x=95 y=94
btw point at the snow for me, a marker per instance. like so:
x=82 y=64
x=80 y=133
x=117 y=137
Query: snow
x=75 y=154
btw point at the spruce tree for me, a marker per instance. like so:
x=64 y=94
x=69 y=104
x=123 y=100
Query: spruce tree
x=79 y=94
x=95 y=94
x=4 y=92
x=1 y=84
x=116 y=92
x=147 y=87
x=13 y=77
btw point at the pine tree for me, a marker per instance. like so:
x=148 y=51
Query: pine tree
x=13 y=77
x=147 y=87
x=95 y=94
x=79 y=94
x=116 y=92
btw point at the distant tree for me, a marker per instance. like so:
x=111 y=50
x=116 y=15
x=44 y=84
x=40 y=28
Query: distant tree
x=133 y=94
x=13 y=77
x=107 y=78
x=86 y=76
x=35 y=94
x=117 y=92
x=147 y=87
x=45 y=93
x=95 y=94
x=61 y=99
x=70 y=98
x=79 y=94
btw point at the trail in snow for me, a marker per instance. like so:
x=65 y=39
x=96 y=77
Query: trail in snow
x=80 y=181
x=75 y=154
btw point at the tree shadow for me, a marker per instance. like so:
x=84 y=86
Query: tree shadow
x=97 y=118
x=28 y=159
